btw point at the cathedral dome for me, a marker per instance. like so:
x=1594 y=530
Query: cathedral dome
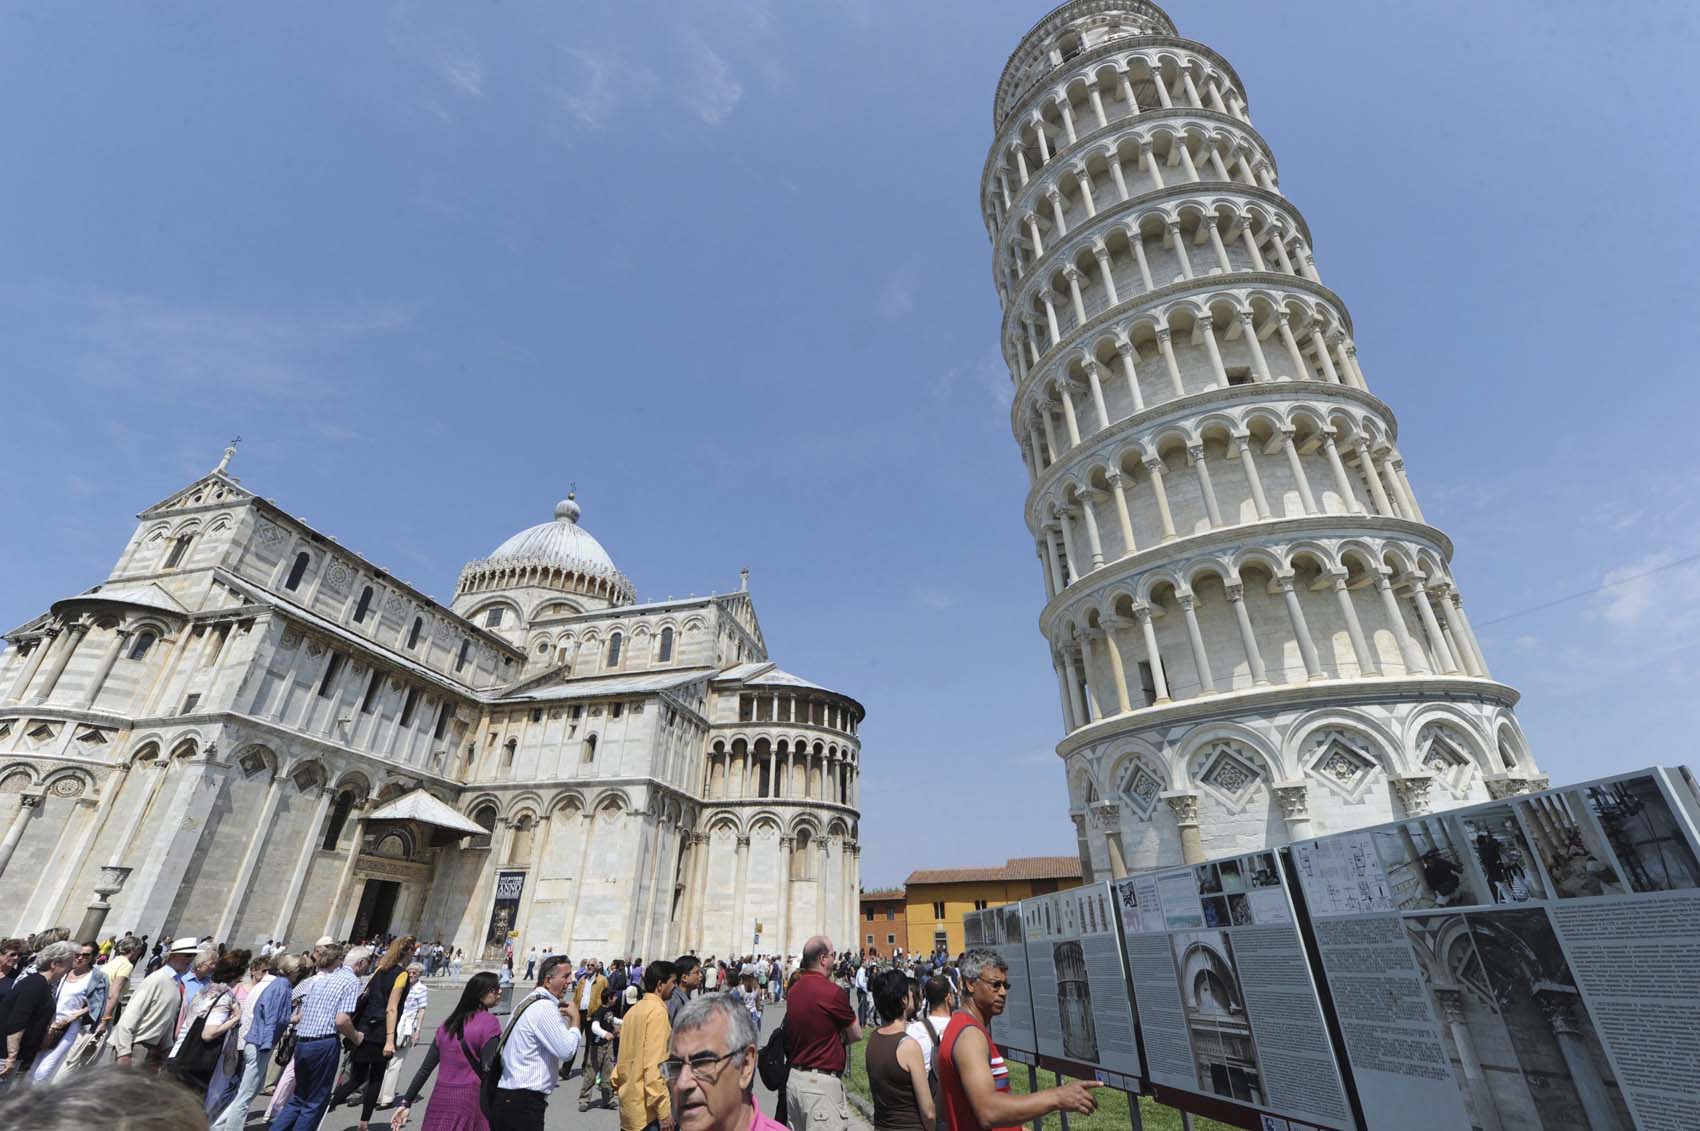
x=559 y=554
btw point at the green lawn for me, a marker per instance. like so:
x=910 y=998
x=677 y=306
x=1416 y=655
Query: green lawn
x=1112 y=1105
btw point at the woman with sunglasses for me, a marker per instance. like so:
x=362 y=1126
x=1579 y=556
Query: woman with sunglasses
x=457 y=1046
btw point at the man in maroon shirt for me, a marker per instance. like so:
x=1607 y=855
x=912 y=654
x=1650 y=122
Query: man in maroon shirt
x=819 y=1023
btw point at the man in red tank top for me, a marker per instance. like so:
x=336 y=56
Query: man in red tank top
x=973 y=1079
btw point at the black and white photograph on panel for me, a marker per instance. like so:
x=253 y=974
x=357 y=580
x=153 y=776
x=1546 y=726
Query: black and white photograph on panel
x=1644 y=834
x=1261 y=870
x=1009 y=922
x=1571 y=844
x=1224 y=1052
x=1522 y=1045
x=1503 y=854
x=973 y=929
x=1426 y=863
x=1074 y=1003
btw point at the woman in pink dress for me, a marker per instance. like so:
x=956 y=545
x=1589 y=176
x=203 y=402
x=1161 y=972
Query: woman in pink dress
x=456 y=1047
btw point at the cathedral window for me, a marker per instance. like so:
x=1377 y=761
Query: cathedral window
x=373 y=686
x=178 y=549
x=493 y=618
x=191 y=703
x=408 y=705
x=615 y=710
x=413 y=633
x=363 y=606
x=338 y=818
x=460 y=661
x=442 y=726
x=144 y=641
x=578 y=711
x=509 y=748
x=614 y=650
x=484 y=815
x=666 y=652
x=297 y=571
x=589 y=749
x=328 y=680
x=746 y=708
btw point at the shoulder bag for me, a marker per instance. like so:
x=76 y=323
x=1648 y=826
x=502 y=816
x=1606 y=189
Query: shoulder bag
x=490 y=1058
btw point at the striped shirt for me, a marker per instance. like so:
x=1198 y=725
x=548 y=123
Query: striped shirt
x=330 y=995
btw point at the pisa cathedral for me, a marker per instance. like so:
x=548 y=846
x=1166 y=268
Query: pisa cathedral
x=1255 y=630
x=248 y=732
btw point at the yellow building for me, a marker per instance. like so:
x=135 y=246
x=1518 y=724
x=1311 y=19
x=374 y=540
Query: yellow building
x=936 y=899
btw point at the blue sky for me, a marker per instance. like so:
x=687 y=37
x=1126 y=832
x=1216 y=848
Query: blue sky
x=721 y=264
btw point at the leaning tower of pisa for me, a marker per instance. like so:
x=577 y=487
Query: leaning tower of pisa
x=1256 y=633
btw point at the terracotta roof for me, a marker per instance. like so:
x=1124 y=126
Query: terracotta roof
x=1016 y=868
x=883 y=893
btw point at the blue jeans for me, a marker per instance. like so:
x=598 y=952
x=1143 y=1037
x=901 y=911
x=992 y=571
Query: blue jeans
x=251 y=1079
x=315 y=1077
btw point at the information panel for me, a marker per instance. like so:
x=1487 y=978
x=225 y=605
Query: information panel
x=999 y=929
x=1081 y=1007
x=1528 y=963
x=1227 y=1005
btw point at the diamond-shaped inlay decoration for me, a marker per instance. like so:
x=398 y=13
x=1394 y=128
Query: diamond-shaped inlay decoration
x=1342 y=761
x=1230 y=772
x=1140 y=787
x=1441 y=750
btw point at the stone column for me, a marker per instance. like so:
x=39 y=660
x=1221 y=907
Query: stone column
x=697 y=879
x=1301 y=370
x=1248 y=637
x=1059 y=581
x=1463 y=621
x=1071 y=545
x=1414 y=662
x=1195 y=456
x=1093 y=541
x=1101 y=253
x=1179 y=245
x=1297 y=467
x=1321 y=348
x=250 y=858
x=1166 y=344
x=1125 y=350
x=1062 y=691
x=1250 y=241
x=1206 y=326
x=1072 y=274
x=1054 y=195
x=1413 y=793
x=1152 y=658
x=1398 y=466
x=1069 y=418
x=1366 y=464
x=1150 y=163
x=1301 y=630
x=1136 y=240
x=120 y=638
x=345 y=880
x=1096 y=384
x=1460 y=633
x=1259 y=363
x=28 y=804
x=787 y=845
x=1073 y=684
x=1431 y=627
x=79 y=852
x=33 y=664
x=1201 y=661
x=1124 y=519
x=303 y=862
x=1117 y=672
x=1354 y=629
x=1342 y=481
x=1241 y=445
x=1154 y=467
x=1185 y=808
x=74 y=634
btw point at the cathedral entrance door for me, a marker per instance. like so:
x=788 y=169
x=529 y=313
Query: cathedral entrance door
x=377 y=906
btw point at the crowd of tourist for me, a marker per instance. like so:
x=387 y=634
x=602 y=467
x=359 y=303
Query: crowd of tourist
x=204 y=1029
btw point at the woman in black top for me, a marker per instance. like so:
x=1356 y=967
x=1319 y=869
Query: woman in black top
x=29 y=1010
x=896 y=1067
x=376 y=1015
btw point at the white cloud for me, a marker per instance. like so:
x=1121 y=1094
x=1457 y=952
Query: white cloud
x=599 y=83
x=133 y=342
x=1653 y=594
x=712 y=91
x=929 y=597
x=446 y=51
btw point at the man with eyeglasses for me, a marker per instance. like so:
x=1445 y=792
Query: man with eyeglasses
x=712 y=1068
x=543 y=1034
x=973 y=1078
x=819 y=1023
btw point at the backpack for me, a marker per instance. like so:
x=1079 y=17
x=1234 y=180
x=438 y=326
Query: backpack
x=771 y=1064
x=490 y=1059
x=933 y=1066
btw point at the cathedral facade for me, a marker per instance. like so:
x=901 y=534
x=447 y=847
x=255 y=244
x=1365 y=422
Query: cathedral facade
x=1256 y=632
x=249 y=732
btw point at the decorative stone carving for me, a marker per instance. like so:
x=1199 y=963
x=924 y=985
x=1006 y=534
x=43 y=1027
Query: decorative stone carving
x=268 y=533
x=394 y=602
x=1294 y=801
x=338 y=577
x=68 y=786
x=1413 y=793
x=1184 y=806
x=1104 y=814
x=315 y=646
x=291 y=640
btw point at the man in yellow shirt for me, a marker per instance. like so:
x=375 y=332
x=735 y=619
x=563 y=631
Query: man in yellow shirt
x=644 y=1037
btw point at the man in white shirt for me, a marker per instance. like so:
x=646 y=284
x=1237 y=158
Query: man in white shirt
x=543 y=1035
